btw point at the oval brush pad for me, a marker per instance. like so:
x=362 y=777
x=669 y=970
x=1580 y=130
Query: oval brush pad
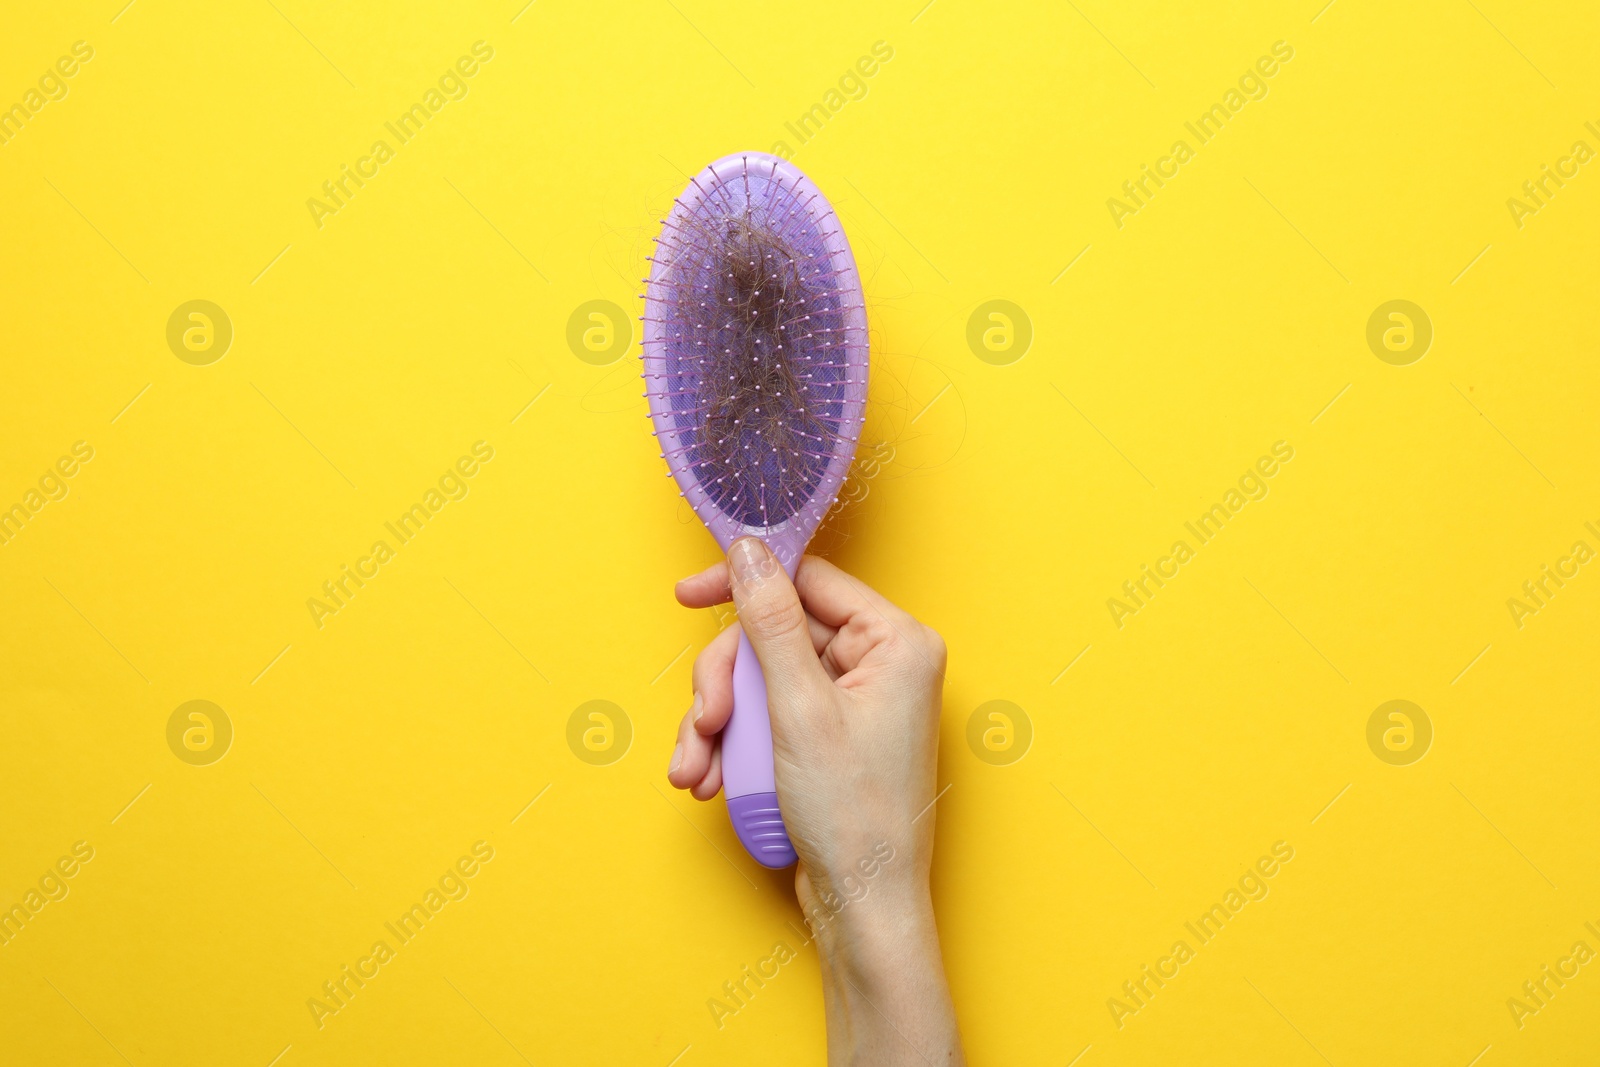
x=755 y=366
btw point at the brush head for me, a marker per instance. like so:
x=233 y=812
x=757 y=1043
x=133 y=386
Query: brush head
x=755 y=351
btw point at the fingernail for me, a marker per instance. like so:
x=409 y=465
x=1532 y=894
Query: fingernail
x=750 y=563
x=697 y=709
x=677 y=760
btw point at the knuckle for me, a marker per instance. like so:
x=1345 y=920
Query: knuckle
x=882 y=633
x=701 y=671
x=710 y=668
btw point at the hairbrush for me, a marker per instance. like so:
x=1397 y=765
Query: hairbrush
x=755 y=366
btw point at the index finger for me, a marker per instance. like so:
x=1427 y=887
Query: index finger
x=710 y=587
x=834 y=597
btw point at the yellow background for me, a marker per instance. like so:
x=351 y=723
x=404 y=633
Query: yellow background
x=425 y=716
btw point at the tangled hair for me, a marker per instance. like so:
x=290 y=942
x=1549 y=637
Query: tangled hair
x=754 y=330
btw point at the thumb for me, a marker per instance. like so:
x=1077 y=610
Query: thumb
x=772 y=618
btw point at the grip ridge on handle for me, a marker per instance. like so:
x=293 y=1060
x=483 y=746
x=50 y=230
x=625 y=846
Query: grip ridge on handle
x=759 y=824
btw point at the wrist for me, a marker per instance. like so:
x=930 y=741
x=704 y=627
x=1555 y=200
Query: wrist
x=884 y=987
x=854 y=889
x=877 y=936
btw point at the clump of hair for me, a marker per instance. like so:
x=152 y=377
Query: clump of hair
x=754 y=361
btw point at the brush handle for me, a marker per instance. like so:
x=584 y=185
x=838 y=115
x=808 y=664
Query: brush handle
x=747 y=770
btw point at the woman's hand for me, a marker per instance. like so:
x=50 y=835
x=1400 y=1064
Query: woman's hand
x=853 y=692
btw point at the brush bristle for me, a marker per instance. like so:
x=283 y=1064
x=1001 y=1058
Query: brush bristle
x=753 y=321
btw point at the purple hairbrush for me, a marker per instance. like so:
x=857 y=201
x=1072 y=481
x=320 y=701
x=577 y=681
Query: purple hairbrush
x=755 y=362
